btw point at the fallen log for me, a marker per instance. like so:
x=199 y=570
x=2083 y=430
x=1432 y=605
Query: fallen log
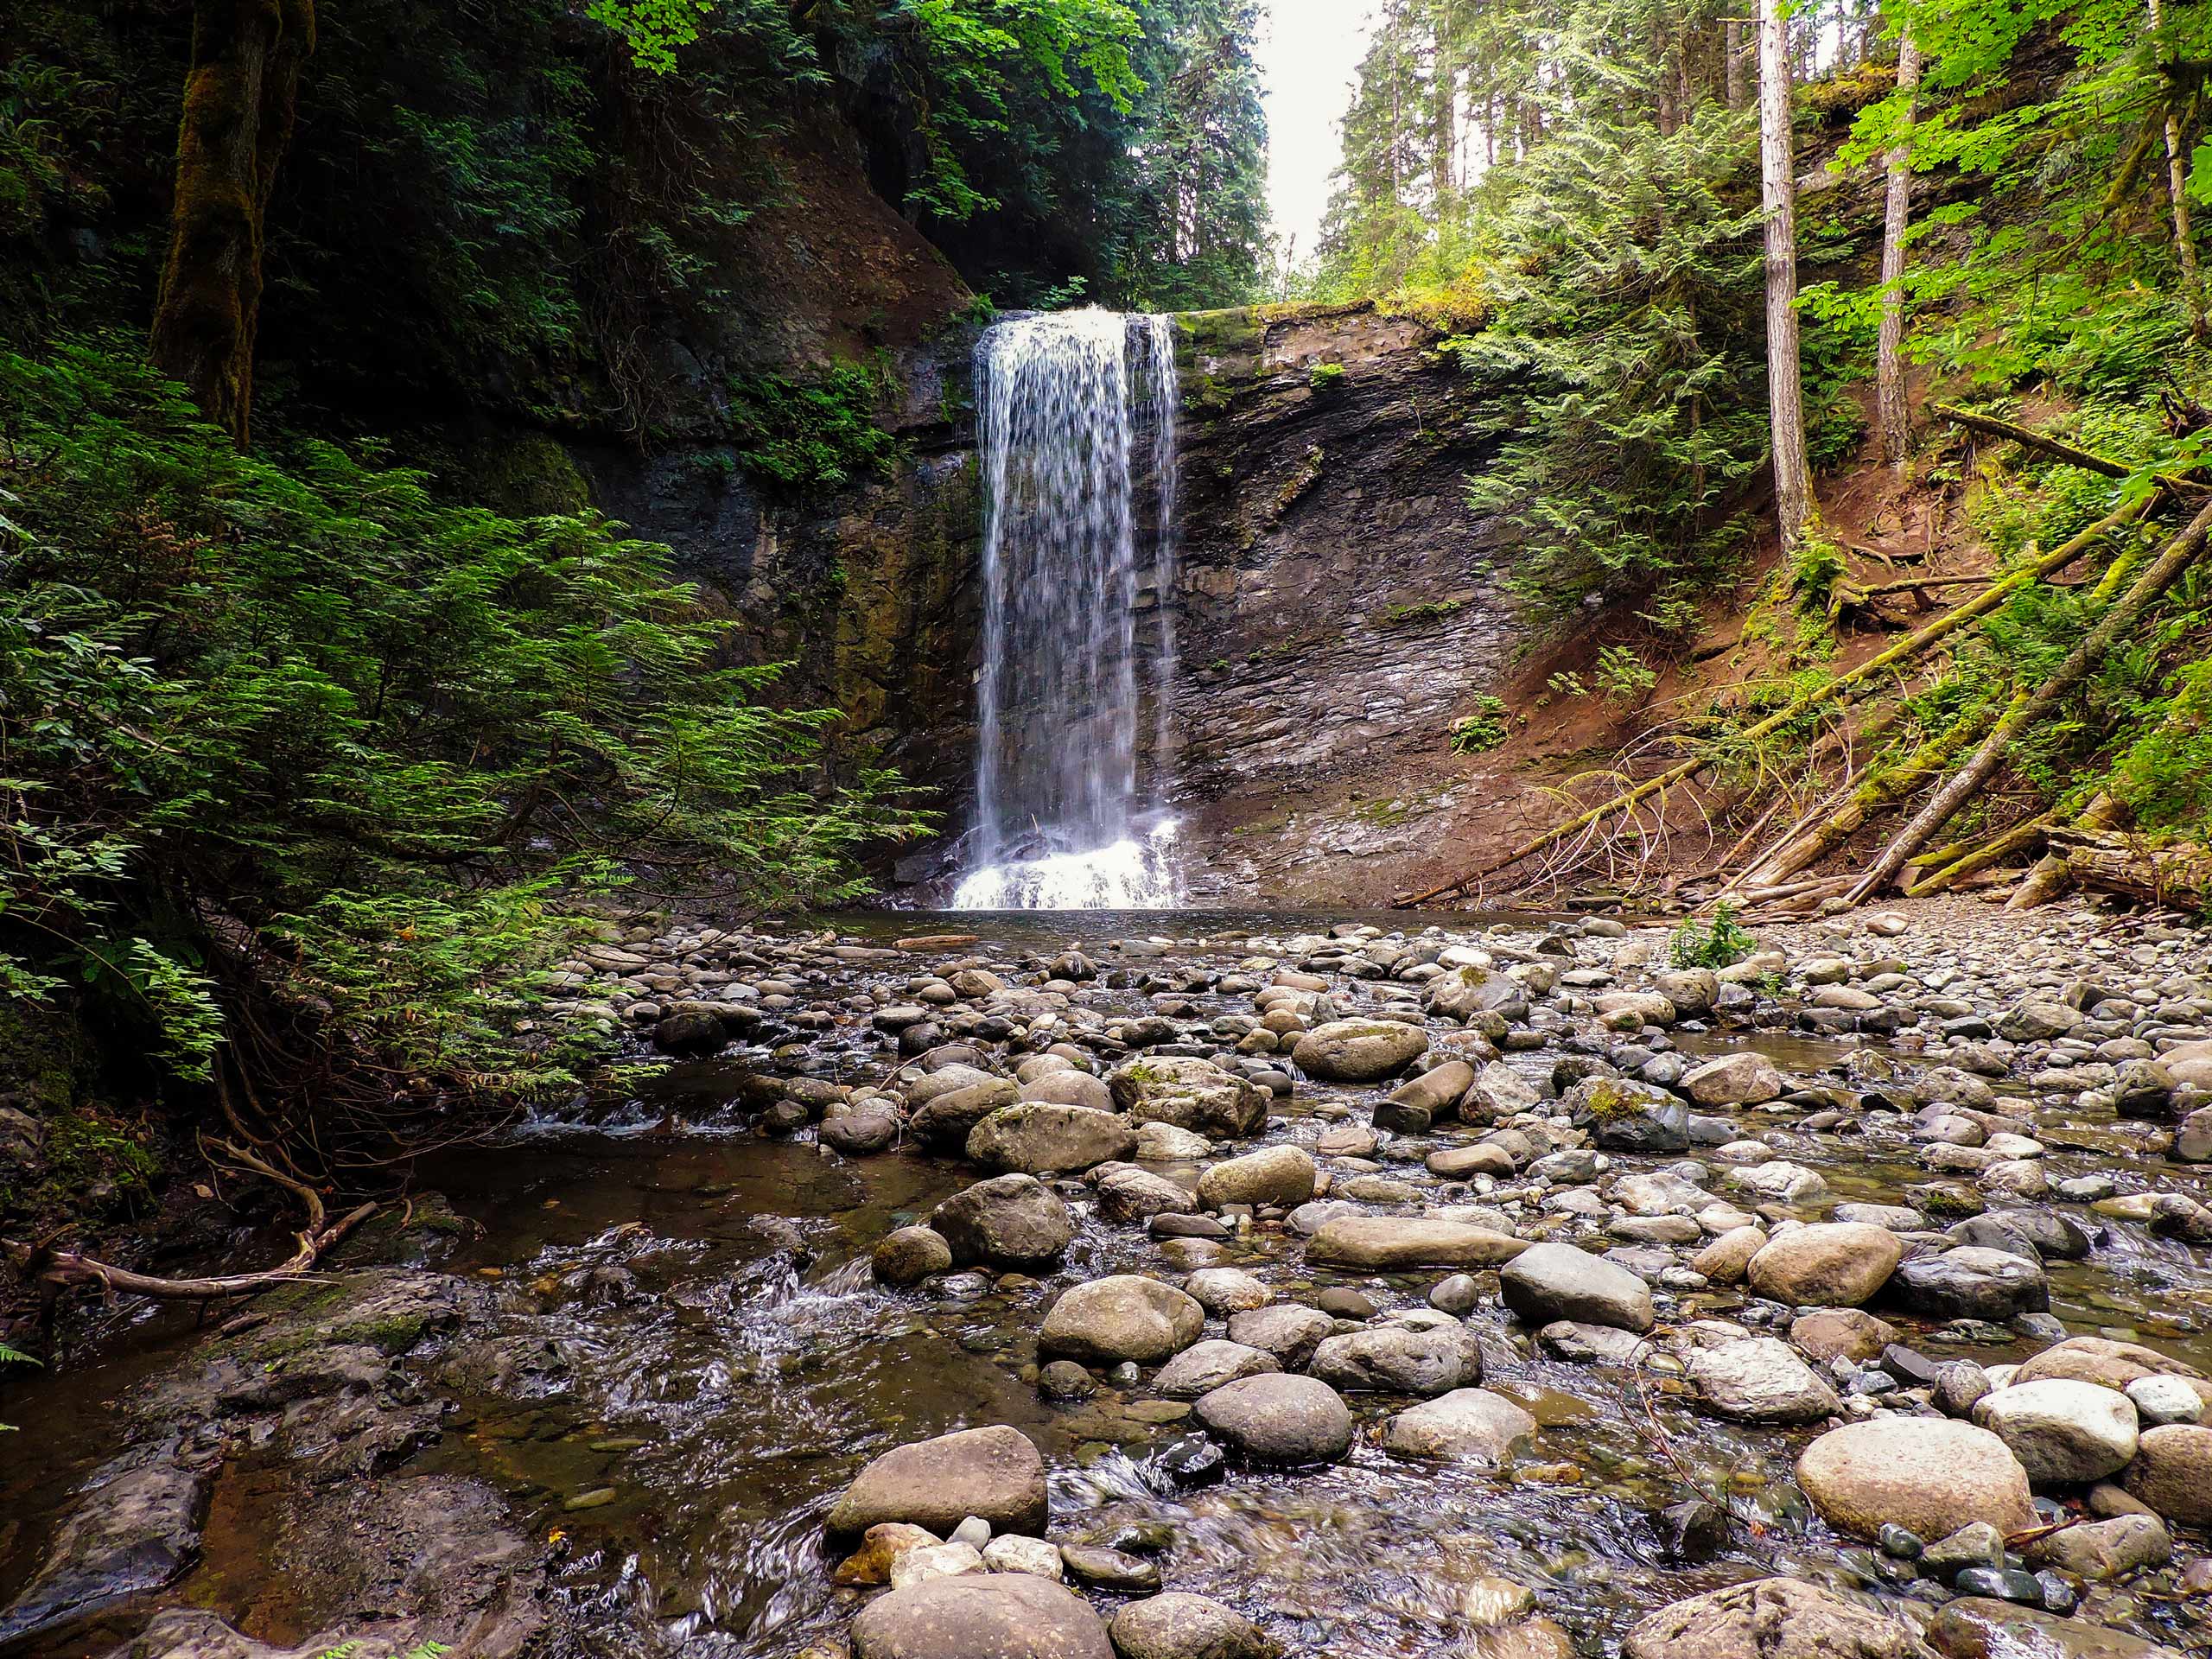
x=2178 y=873
x=2028 y=707
x=1906 y=649
x=1971 y=861
x=2056 y=448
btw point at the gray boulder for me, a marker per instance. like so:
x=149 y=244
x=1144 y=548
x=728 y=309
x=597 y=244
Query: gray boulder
x=1465 y=1426
x=1178 y=1625
x=1394 y=1359
x=1189 y=1094
x=1279 y=1420
x=995 y=1473
x=1009 y=1221
x=1546 y=1282
x=981 y=1616
x=1122 y=1316
x=1040 y=1138
x=1358 y=1051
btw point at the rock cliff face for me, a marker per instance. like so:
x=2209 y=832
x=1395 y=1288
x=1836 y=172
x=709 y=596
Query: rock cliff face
x=1338 y=602
x=1335 y=602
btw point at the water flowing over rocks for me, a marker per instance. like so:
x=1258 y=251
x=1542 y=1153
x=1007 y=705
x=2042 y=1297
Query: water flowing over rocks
x=1494 y=1350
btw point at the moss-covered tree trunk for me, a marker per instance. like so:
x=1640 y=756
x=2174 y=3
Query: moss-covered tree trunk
x=239 y=103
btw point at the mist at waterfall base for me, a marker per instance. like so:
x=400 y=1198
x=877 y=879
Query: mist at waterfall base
x=1078 y=417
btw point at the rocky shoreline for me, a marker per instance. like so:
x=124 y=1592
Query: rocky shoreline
x=1261 y=1205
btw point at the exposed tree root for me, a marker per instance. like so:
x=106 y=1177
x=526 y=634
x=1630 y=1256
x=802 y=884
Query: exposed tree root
x=57 y=1270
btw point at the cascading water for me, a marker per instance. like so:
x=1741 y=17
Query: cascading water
x=1067 y=399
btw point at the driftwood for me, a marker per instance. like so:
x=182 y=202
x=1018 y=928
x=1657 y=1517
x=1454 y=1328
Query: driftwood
x=2178 y=873
x=1906 y=649
x=2029 y=707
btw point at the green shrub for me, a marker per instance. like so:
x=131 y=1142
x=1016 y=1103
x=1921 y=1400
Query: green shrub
x=1484 y=729
x=817 y=434
x=1722 y=944
x=301 y=736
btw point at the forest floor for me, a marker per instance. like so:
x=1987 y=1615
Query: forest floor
x=1403 y=820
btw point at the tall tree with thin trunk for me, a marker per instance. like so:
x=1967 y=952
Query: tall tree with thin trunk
x=1792 y=485
x=238 y=102
x=1732 y=61
x=2192 y=281
x=1892 y=416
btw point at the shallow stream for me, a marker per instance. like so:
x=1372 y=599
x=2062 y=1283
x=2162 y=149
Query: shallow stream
x=716 y=1363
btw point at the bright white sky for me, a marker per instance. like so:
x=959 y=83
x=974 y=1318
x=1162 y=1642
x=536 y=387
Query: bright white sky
x=1308 y=58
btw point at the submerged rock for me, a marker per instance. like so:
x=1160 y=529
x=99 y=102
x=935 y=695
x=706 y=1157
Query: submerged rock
x=1981 y=1627
x=132 y=1533
x=1178 y=1625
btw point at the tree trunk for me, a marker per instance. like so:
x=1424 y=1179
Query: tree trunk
x=2192 y=285
x=2029 y=707
x=1732 y=61
x=1894 y=418
x=238 y=104
x=1793 y=486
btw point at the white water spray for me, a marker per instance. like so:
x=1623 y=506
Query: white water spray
x=1066 y=398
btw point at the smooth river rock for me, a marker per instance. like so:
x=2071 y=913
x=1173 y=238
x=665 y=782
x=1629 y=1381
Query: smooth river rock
x=1465 y=1426
x=2172 y=1473
x=1830 y=1264
x=995 y=1472
x=1772 y=1618
x=1178 y=1625
x=1981 y=1627
x=1009 y=1221
x=1393 y=1359
x=1277 y=1175
x=1386 y=1242
x=1546 y=1282
x=1761 y=1380
x=2062 y=1432
x=1039 y=1138
x=1279 y=1420
x=981 y=1616
x=1929 y=1475
x=1122 y=1316
x=1358 y=1051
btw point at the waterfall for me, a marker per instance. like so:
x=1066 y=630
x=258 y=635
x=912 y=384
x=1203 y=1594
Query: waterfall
x=1067 y=400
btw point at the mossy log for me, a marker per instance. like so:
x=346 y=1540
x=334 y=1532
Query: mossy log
x=2028 y=708
x=239 y=100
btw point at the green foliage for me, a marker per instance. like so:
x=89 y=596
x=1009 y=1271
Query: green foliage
x=1485 y=728
x=1722 y=944
x=302 y=718
x=813 y=436
x=1325 y=377
x=652 y=30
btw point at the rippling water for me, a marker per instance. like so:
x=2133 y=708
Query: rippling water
x=725 y=1363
